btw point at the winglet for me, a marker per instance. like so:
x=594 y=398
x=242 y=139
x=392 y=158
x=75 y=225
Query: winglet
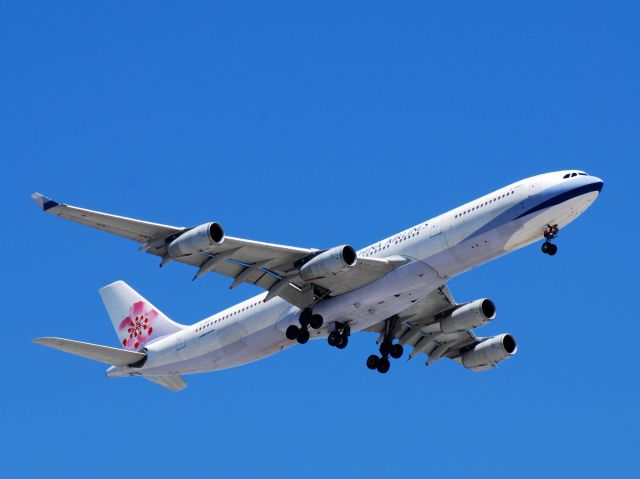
x=44 y=202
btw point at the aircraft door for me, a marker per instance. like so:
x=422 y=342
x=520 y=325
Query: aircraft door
x=180 y=343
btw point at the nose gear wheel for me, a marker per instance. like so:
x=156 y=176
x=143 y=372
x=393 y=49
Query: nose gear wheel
x=550 y=233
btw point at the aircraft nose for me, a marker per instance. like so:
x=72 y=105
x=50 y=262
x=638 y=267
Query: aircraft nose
x=597 y=183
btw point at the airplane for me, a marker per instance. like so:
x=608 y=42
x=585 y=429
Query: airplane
x=396 y=287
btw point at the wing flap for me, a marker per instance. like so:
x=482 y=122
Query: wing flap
x=365 y=271
x=421 y=313
x=103 y=354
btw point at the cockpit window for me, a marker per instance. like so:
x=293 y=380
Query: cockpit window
x=573 y=174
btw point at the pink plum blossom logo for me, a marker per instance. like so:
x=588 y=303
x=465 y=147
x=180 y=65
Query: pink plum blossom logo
x=138 y=326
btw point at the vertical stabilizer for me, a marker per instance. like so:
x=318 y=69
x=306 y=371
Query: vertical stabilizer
x=135 y=319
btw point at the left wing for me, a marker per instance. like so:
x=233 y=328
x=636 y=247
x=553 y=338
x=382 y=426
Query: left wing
x=414 y=327
x=299 y=275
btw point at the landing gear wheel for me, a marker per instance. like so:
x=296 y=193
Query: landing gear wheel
x=385 y=347
x=292 y=332
x=372 y=362
x=316 y=321
x=305 y=317
x=396 y=351
x=550 y=233
x=343 y=342
x=383 y=365
x=334 y=338
x=549 y=248
x=303 y=336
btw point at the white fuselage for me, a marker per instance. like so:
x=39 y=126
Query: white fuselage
x=438 y=249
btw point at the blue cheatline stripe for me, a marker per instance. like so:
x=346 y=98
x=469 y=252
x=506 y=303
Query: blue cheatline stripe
x=503 y=218
x=510 y=214
x=562 y=197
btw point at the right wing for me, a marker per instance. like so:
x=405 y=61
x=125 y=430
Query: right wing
x=410 y=328
x=270 y=266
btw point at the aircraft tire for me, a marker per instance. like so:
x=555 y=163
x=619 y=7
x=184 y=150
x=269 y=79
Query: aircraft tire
x=303 y=336
x=305 y=317
x=333 y=339
x=385 y=347
x=372 y=362
x=316 y=321
x=383 y=365
x=396 y=351
x=292 y=332
x=343 y=342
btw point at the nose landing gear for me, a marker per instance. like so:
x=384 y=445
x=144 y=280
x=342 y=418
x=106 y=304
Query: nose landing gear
x=307 y=319
x=550 y=233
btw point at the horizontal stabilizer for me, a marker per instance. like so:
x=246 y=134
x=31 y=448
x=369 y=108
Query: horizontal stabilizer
x=175 y=383
x=104 y=354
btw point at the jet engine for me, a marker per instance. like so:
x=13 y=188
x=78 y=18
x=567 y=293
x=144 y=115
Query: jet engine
x=490 y=352
x=469 y=316
x=330 y=263
x=196 y=240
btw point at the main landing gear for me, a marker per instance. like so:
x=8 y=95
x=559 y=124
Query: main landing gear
x=339 y=337
x=387 y=348
x=307 y=319
x=550 y=233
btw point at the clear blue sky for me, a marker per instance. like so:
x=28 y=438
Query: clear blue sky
x=316 y=125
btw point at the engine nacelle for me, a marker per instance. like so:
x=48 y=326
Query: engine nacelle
x=469 y=316
x=330 y=263
x=196 y=240
x=490 y=352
